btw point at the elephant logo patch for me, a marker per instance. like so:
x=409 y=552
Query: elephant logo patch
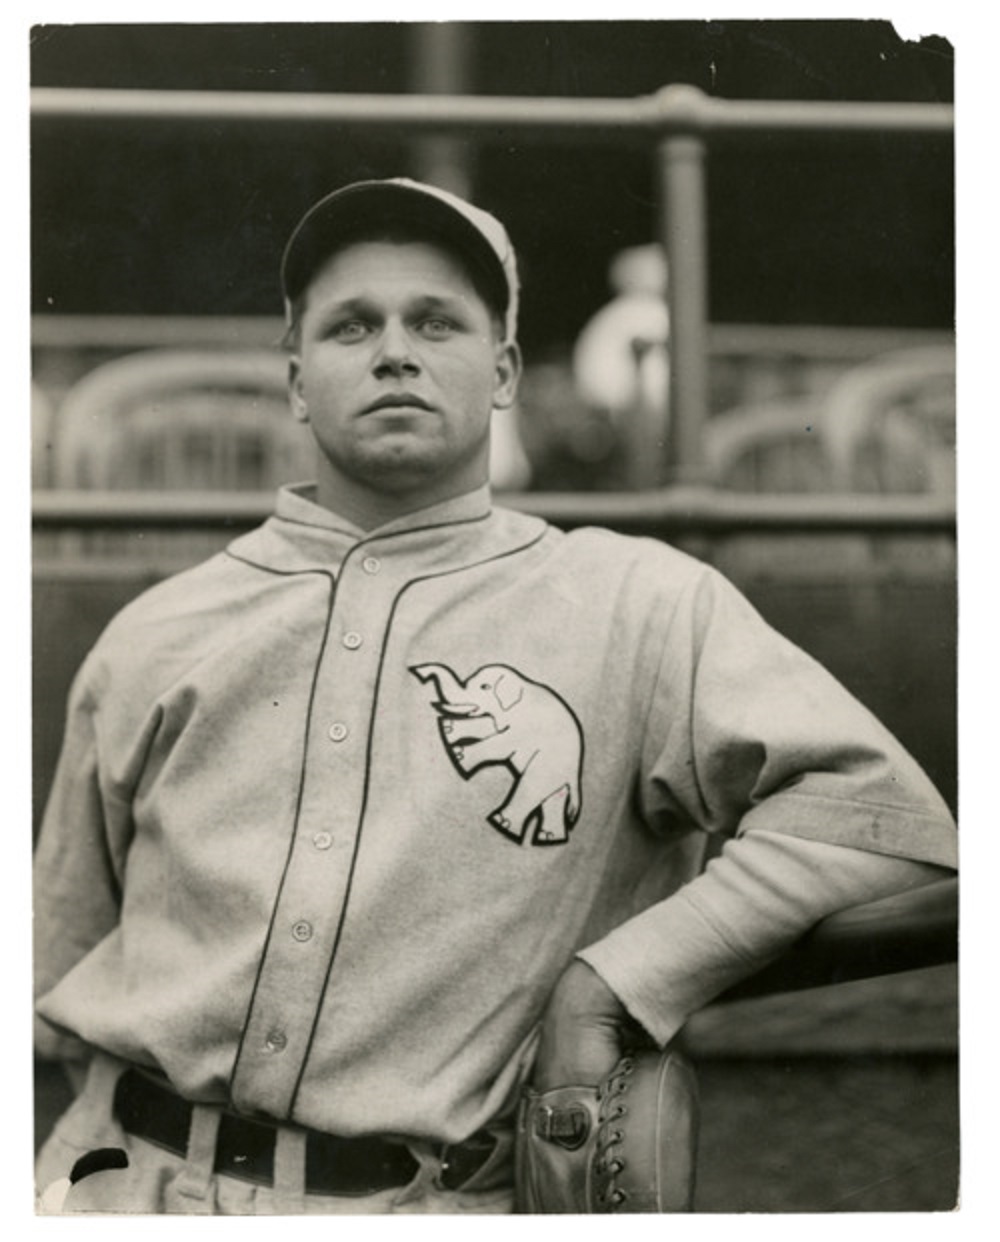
x=498 y=716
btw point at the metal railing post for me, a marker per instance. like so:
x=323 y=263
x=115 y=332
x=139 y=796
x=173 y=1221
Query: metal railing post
x=442 y=66
x=681 y=169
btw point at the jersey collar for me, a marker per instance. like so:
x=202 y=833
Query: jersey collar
x=297 y=503
x=304 y=536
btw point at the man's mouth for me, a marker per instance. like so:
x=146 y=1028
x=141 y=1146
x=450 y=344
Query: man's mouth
x=398 y=401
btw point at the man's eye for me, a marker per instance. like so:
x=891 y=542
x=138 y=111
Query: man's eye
x=349 y=330
x=436 y=328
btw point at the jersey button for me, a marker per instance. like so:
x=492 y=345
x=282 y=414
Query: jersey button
x=323 y=840
x=371 y=564
x=338 y=731
x=302 y=931
x=276 y=1041
x=352 y=640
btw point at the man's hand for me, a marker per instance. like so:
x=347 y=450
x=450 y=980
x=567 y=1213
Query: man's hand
x=584 y=1033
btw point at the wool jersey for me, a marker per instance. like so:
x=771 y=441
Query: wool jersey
x=335 y=808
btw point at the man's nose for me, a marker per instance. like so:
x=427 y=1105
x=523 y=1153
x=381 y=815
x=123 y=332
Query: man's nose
x=395 y=354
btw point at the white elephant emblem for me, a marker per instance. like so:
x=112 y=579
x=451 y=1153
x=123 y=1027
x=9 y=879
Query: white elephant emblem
x=499 y=716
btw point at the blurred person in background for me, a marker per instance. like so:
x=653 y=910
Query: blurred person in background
x=620 y=359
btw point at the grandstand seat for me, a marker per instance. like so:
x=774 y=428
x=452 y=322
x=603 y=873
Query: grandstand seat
x=42 y=415
x=774 y=446
x=889 y=424
x=179 y=420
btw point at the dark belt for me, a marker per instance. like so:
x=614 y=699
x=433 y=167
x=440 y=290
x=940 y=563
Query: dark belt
x=245 y=1146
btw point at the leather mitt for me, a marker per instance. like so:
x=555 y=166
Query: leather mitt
x=628 y=1145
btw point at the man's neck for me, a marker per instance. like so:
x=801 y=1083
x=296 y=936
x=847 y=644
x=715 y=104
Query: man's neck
x=368 y=509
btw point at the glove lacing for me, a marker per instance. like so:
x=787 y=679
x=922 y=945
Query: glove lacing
x=608 y=1158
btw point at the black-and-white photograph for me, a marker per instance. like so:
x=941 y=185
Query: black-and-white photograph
x=493 y=575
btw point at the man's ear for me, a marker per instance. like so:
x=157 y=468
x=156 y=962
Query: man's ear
x=296 y=396
x=508 y=375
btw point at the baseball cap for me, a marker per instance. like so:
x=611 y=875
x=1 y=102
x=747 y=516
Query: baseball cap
x=479 y=237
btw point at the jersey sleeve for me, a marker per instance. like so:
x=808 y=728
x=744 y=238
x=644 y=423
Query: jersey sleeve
x=745 y=730
x=818 y=806
x=79 y=860
x=764 y=891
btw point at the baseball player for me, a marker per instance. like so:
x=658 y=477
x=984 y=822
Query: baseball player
x=401 y=803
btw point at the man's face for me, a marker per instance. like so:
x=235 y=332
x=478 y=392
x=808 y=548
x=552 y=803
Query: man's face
x=399 y=364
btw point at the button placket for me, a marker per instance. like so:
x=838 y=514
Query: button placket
x=326 y=835
x=371 y=566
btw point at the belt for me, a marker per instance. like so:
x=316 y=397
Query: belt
x=245 y=1145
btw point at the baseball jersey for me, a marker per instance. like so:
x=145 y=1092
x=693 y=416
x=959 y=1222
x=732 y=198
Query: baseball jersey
x=335 y=808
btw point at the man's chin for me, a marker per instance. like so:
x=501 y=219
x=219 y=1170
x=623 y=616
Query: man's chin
x=403 y=467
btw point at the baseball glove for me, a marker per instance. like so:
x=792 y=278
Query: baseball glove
x=628 y=1145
